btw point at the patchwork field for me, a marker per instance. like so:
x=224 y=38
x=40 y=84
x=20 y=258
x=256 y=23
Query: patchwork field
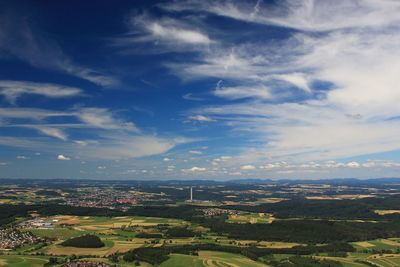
x=105 y=223
x=211 y=259
x=112 y=245
x=378 y=244
x=22 y=261
x=386 y=260
x=250 y=218
x=120 y=234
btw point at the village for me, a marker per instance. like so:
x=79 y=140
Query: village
x=11 y=238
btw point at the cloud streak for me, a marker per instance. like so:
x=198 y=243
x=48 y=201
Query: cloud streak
x=12 y=90
x=31 y=46
x=110 y=136
x=300 y=95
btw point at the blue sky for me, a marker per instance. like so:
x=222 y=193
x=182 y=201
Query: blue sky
x=199 y=89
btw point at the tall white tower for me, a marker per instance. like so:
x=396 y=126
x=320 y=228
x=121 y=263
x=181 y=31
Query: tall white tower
x=191 y=194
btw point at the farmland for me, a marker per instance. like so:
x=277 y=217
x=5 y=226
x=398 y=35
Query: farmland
x=209 y=259
x=261 y=225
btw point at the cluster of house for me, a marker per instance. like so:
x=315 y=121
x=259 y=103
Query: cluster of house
x=39 y=223
x=103 y=198
x=11 y=238
x=216 y=211
x=88 y=264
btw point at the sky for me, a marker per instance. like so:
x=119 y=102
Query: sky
x=199 y=89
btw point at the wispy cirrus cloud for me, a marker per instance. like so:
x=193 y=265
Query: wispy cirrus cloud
x=12 y=90
x=110 y=137
x=310 y=15
x=165 y=34
x=30 y=45
x=201 y=118
x=307 y=96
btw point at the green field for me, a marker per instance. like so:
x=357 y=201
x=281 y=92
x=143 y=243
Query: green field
x=56 y=233
x=22 y=261
x=120 y=235
x=210 y=258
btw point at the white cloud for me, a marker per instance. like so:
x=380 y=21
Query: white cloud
x=22 y=157
x=195 y=169
x=310 y=15
x=247 y=167
x=238 y=92
x=12 y=90
x=111 y=136
x=103 y=118
x=62 y=157
x=190 y=96
x=353 y=164
x=355 y=58
x=195 y=152
x=297 y=79
x=201 y=118
x=164 y=34
x=167 y=159
x=220 y=160
x=54 y=132
x=171 y=168
x=176 y=33
x=124 y=146
x=29 y=45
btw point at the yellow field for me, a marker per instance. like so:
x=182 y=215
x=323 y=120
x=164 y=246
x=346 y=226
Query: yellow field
x=390 y=242
x=211 y=258
x=5 y=201
x=251 y=218
x=338 y=197
x=266 y=244
x=60 y=250
x=271 y=200
x=103 y=224
x=384 y=212
x=364 y=244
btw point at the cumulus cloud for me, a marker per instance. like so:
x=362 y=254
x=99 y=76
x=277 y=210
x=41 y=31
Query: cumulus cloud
x=62 y=157
x=195 y=169
x=247 y=167
x=171 y=168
